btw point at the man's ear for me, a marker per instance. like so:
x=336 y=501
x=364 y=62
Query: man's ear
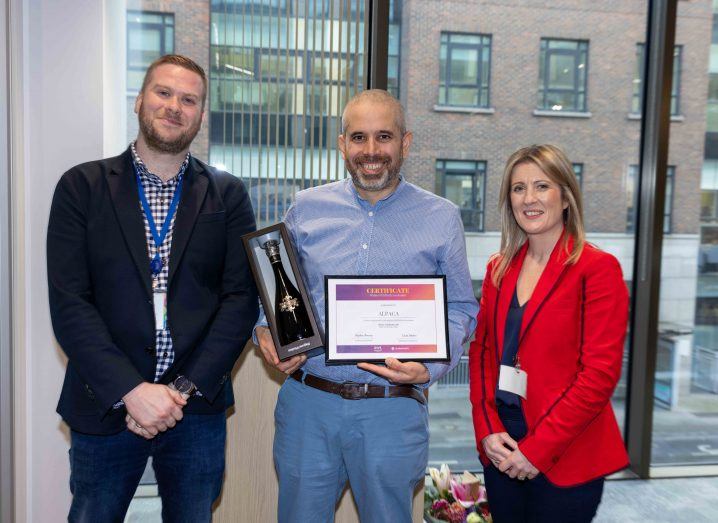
x=138 y=102
x=342 y=145
x=406 y=142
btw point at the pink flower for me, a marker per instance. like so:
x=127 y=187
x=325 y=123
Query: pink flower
x=468 y=490
x=439 y=505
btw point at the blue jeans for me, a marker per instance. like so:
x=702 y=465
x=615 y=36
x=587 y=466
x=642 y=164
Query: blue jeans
x=536 y=500
x=322 y=440
x=188 y=461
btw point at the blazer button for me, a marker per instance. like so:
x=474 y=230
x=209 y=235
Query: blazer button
x=149 y=350
x=555 y=459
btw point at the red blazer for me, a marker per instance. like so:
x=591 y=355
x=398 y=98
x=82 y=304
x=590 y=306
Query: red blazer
x=571 y=344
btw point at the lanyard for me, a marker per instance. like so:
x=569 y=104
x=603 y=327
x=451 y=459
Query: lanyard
x=159 y=238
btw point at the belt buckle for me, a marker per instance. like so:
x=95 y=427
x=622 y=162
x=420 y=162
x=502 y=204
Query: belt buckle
x=354 y=391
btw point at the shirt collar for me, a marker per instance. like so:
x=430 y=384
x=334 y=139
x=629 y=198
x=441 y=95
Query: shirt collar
x=390 y=196
x=146 y=174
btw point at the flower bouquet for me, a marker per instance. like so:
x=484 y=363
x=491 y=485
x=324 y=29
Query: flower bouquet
x=455 y=499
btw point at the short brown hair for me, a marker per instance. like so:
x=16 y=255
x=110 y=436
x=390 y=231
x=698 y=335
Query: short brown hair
x=181 y=61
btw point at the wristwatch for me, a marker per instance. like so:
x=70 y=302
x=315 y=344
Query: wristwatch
x=184 y=386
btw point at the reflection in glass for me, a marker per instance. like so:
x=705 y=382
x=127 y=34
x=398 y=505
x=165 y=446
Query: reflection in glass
x=685 y=415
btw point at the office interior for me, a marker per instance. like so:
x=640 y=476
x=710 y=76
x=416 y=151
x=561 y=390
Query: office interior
x=629 y=89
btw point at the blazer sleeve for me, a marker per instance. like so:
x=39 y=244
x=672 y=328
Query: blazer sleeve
x=211 y=362
x=78 y=326
x=483 y=374
x=604 y=317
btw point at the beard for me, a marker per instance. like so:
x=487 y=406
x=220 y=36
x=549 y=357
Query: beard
x=157 y=142
x=378 y=182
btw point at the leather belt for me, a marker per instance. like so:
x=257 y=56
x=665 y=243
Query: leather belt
x=357 y=391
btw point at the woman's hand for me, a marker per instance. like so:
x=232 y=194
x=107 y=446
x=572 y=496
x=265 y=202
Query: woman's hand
x=498 y=446
x=517 y=466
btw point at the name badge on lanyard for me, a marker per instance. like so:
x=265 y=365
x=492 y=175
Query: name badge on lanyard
x=513 y=379
x=159 y=298
x=160 y=305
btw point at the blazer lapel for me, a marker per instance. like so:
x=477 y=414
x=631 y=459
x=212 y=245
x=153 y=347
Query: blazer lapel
x=193 y=193
x=506 y=291
x=123 y=192
x=550 y=276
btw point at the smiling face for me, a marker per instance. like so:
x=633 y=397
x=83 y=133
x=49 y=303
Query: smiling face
x=536 y=201
x=373 y=148
x=170 y=109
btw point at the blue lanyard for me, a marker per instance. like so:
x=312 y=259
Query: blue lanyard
x=156 y=263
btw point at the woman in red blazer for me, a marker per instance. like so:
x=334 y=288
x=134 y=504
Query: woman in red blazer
x=547 y=353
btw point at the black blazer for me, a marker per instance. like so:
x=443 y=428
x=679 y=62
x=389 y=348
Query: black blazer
x=101 y=297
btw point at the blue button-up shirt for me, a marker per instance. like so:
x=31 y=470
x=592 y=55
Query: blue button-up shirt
x=410 y=232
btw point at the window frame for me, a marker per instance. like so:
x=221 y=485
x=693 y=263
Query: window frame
x=478 y=187
x=632 y=175
x=637 y=93
x=161 y=27
x=579 y=174
x=545 y=52
x=485 y=41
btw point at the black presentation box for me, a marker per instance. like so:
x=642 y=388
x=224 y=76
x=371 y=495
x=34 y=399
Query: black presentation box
x=264 y=277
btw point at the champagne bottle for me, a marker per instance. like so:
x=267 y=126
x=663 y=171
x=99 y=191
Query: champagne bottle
x=291 y=315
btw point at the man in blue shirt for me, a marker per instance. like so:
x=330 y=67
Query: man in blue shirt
x=374 y=223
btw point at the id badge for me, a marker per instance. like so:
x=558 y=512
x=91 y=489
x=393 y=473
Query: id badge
x=160 y=302
x=513 y=380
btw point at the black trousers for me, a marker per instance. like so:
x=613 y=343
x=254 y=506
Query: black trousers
x=536 y=500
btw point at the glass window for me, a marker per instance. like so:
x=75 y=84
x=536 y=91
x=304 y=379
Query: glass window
x=451 y=151
x=393 y=66
x=578 y=171
x=685 y=414
x=563 y=71
x=464 y=69
x=637 y=99
x=463 y=183
x=280 y=75
x=149 y=36
x=632 y=196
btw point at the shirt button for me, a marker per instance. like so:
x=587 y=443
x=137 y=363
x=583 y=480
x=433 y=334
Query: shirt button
x=371 y=213
x=364 y=246
x=164 y=354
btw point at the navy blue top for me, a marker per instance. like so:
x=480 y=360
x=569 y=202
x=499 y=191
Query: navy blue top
x=512 y=330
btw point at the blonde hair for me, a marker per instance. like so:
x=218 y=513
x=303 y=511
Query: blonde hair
x=555 y=164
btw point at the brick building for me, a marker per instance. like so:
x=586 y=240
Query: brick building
x=478 y=78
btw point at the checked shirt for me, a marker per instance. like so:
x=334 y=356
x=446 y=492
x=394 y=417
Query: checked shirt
x=159 y=195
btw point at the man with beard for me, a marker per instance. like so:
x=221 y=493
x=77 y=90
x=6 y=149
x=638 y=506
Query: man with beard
x=374 y=223
x=152 y=301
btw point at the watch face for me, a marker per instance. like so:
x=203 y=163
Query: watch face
x=183 y=385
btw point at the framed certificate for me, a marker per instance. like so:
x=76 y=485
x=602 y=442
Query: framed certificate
x=370 y=318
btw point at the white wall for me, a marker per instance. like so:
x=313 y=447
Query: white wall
x=62 y=89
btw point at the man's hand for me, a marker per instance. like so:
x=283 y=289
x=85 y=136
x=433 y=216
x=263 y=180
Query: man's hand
x=498 y=446
x=517 y=466
x=269 y=353
x=399 y=372
x=152 y=408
